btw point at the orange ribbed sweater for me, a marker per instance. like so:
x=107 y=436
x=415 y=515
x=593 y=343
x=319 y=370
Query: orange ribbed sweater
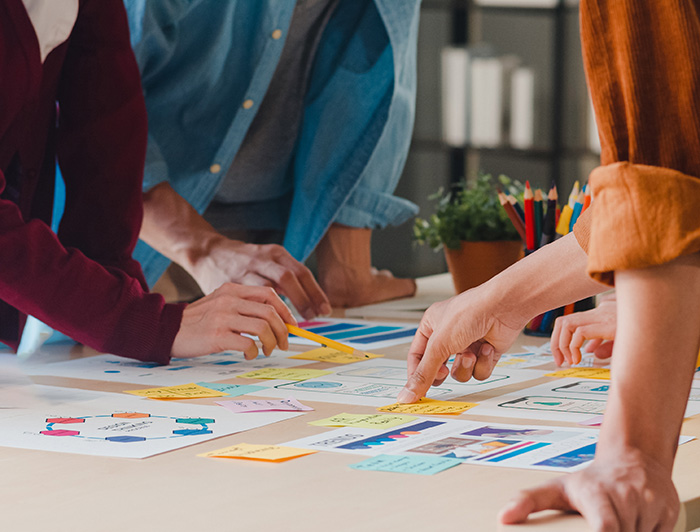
x=642 y=61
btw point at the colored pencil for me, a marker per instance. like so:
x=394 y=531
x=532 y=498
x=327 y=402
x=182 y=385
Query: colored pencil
x=514 y=202
x=539 y=216
x=564 y=223
x=326 y=341
x=578 y=209
x=550 y=220
x=528 y=202
x=514 y=218
x=586 y=198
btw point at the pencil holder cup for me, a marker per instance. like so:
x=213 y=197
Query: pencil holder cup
x=543 y=324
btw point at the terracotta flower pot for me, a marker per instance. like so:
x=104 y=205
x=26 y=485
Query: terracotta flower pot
x=476 y=262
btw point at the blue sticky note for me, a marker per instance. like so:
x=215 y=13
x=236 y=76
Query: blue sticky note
x=232 y=389
x=417 y=465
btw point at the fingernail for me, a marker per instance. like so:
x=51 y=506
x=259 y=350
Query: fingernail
x=309 y=314
x=326 y=309
x=467 y=362
x=406 y=396
x=487 y=350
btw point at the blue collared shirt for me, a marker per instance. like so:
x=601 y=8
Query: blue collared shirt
x=206 y=65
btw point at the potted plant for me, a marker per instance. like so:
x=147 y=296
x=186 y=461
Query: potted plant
x=472 y=227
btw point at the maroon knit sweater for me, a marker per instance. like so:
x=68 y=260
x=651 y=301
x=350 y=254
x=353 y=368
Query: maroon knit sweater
x=84 y=107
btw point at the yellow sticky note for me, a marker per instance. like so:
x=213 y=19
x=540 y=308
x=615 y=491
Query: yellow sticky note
x=328 y=354
x=582 y=373
x=509 y=362
x=429 y=407
x=285 y=374
x=363 y=421
x=249 y=451
x=182 y=391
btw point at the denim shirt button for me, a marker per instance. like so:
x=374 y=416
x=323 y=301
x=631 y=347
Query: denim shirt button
x=215 y=168
x=276 y=34
x=247 y=104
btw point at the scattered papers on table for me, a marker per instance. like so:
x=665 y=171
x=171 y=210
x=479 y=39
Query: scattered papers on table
x=183 y=391
x=416 y=465
x=429 y=407
x=124 y=426
x=363 y=421
x=327 y=354
x=216 y=367
x=285 y=374
x=359 y=334
x=565 y=400
x=264 y=405
x=472 y=442
x=378 y=382
x=232 y=390
x=267 y=453
x=582 y=373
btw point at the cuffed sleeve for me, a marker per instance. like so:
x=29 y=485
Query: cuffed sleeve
x=645 y=216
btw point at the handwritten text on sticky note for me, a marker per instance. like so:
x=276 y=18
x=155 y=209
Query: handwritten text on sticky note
x=182 y=391
x=249 y=451
x=327 y=354
x=363 y=421
x=264 y=405
x=417 y=465
x=429 y=407
x=285 y=374
x=582 y=373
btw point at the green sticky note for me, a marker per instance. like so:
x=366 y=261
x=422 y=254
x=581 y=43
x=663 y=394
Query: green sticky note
x=416 y=465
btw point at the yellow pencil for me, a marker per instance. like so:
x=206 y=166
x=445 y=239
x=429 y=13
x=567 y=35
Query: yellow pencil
x=326 y=341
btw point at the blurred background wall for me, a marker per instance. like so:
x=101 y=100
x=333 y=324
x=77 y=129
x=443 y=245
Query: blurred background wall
x=544 y=35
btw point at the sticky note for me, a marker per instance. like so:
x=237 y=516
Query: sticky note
x=363 y=421
x=582 y=373
x=416 y=465
x=429 y=407
x=509 y=362
x=285 y=374
x=182 y=391
x=232 y=390
x=264 y=405
x=267 y=453
x=328 y=354
x=596 y=421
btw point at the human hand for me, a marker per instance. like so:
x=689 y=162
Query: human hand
x=598 y=326
x=217 y=322
x=468 y=325
x=625 y=492
x=260 y=265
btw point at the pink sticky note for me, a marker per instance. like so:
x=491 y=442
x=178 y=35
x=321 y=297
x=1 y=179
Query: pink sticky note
x=264 y=405
x=592 y=422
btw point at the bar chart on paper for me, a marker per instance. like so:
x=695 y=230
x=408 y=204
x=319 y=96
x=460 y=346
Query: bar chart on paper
x=364 y=335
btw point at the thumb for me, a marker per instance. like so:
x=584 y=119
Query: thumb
x=548 y=497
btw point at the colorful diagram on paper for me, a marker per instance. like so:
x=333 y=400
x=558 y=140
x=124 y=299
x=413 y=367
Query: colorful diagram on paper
x=391 y=436
x=126 y=427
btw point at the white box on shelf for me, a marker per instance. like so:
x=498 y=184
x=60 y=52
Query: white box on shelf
x=522 y=108
x=486 y=106
x=490 y=99
x=455 y=95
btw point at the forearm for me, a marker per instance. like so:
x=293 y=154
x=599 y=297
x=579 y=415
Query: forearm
x=174 y=228
x=549 y=278
x=656 y=347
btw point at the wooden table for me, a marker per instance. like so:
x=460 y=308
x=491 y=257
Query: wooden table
x=178 y=491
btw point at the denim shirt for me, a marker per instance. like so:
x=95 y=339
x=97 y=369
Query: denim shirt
x=206 y=65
